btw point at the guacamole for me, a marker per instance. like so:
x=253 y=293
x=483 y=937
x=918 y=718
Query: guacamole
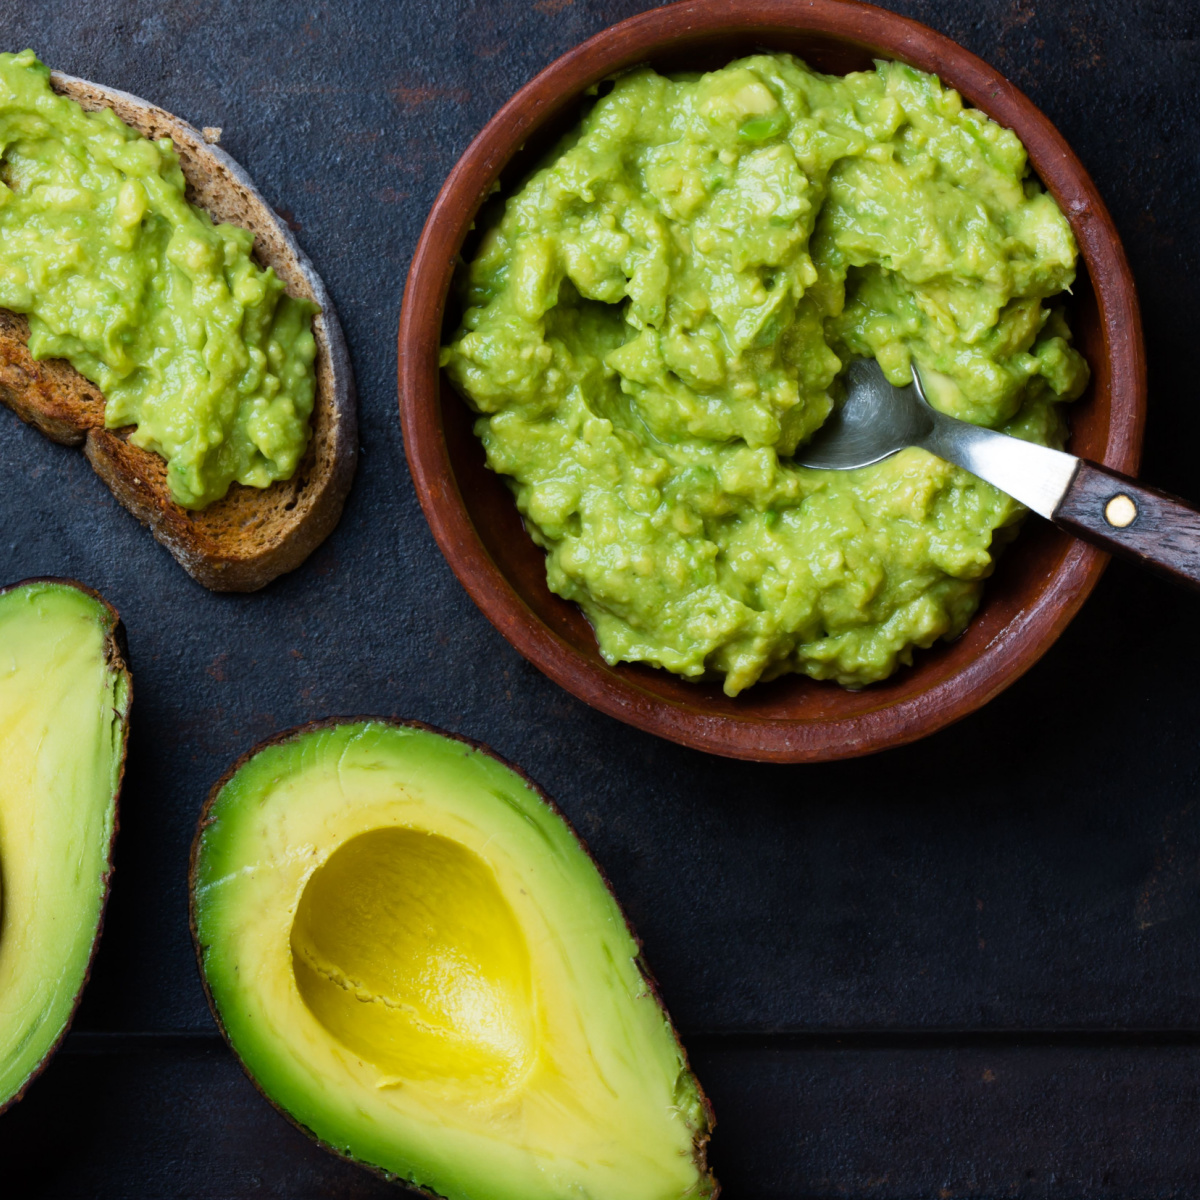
x=662 y=314
x=189 y=340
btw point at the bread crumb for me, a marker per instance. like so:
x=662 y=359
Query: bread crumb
x=212 y=134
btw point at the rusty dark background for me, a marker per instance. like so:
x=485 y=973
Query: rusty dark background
x=969 y=968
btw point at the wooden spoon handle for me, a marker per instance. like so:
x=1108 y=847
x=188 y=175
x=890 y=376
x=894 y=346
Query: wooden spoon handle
x=1134 y=521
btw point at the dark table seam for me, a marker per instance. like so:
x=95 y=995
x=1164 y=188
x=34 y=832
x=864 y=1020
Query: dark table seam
x=170 y=1041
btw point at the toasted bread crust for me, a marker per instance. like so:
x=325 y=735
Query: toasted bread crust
x=243 y=541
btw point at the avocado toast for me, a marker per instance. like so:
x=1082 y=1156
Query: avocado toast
x=249 y=536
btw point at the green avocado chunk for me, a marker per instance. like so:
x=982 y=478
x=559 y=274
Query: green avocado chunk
x=663 y=312
x=189 y=340
x=415 y=958
x=64 y=706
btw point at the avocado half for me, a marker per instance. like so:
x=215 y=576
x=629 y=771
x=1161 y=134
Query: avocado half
x=416 y=960
x=65 y=693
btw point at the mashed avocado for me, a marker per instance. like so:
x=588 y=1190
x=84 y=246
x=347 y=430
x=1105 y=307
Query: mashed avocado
x=661 y=315
x=164 y=311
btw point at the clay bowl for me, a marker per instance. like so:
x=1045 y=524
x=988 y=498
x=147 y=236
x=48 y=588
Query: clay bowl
x=1038 y=585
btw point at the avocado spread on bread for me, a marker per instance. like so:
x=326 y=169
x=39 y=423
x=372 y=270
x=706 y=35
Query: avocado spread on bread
x=191 y=342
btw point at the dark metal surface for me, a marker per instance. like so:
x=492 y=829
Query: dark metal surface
x=926 y=973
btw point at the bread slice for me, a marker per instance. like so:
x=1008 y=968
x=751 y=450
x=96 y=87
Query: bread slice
x=246 y=539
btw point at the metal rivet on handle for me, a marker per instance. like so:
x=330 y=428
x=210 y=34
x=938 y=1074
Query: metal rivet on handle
x=1120 y=511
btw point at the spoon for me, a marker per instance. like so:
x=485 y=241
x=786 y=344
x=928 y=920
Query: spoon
x=1101 y=506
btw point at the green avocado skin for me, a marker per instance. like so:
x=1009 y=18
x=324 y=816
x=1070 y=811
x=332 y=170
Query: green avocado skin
x=663 y=312
x=600 y=1101
x=64 y=704
x=190 y=341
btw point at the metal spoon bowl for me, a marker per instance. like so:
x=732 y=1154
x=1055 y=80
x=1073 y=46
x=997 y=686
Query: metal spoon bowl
x=1104 y=507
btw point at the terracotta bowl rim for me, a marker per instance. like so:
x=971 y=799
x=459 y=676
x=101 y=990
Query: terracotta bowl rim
x=616 y=691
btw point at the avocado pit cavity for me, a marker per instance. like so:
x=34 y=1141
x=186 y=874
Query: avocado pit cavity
x=405 y=950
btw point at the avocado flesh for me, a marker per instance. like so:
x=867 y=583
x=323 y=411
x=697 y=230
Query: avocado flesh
x=415 y=958
x=64 y=698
